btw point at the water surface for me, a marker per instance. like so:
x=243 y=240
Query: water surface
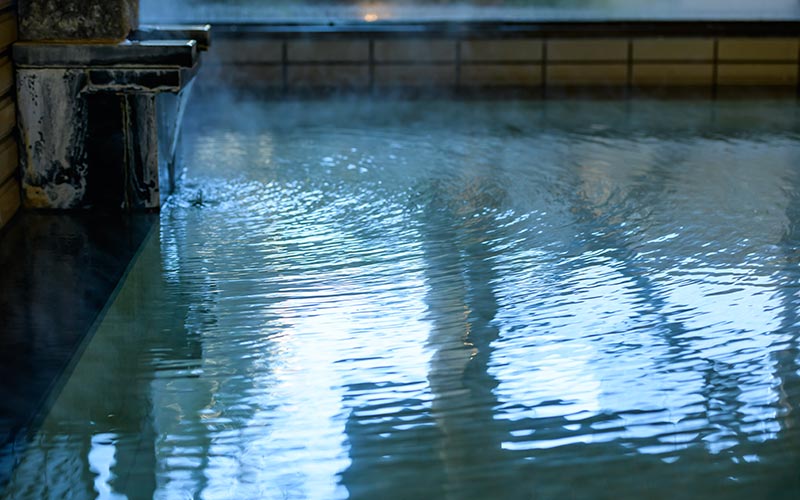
x=438 y=299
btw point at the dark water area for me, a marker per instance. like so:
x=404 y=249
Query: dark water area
x=363 y=298
x=58 y=271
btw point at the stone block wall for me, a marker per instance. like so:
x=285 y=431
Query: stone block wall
x=548 y=59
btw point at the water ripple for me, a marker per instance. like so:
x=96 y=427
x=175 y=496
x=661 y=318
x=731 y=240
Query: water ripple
x=345 y=306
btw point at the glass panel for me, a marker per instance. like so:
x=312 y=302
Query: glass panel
x=417 y=10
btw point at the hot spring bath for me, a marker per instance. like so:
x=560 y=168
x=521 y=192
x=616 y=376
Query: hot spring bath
x=444 y=299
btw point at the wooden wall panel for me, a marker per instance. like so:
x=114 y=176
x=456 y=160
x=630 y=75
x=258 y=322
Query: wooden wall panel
x=9 y=184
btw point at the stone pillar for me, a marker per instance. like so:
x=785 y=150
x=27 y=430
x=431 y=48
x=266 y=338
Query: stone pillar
x=53 y=170
x=88 y=103
x=96 y=21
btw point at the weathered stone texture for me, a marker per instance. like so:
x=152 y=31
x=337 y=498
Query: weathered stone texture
x=75 y=20
x=53 y=159
x=64 y=131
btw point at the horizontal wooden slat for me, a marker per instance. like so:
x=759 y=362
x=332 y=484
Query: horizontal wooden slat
x=6 y=75
x=244 y=51
x=8 y=29
x=757 y=74
x=9 y=200
x=419 y=51
x=492 y=75
x=255 y=75
x=673 y=49
x=328 y=76
x=491 y=51
x=755 y=49
x=587 y=75
x=8 y=117
x=415 y=76
x=673 y=75
x=587 y=50
x=324 y=50
x=8 y=158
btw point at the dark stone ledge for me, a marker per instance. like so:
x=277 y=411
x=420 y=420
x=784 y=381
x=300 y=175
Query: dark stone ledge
x=200 y=33
x=167 y=53
x=128 y=80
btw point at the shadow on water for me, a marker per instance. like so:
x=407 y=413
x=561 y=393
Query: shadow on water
x=447 y=455
x=102 y=431
x=787 y=359
x=617 y=223
x=462 y=307
x=616 y=232
x=58 y=271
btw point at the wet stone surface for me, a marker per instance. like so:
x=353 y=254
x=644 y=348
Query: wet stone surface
x=96 y=20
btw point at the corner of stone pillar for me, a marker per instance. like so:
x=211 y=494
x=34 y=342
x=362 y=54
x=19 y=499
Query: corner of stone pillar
x=88 y=113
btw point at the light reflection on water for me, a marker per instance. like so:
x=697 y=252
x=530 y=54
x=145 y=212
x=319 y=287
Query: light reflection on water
x=452 y=300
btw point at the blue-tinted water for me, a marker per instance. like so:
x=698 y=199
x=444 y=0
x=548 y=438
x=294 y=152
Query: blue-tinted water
x=438 y=299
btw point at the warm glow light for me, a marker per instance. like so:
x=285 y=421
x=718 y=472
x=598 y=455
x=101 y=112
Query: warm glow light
x=371 y=17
